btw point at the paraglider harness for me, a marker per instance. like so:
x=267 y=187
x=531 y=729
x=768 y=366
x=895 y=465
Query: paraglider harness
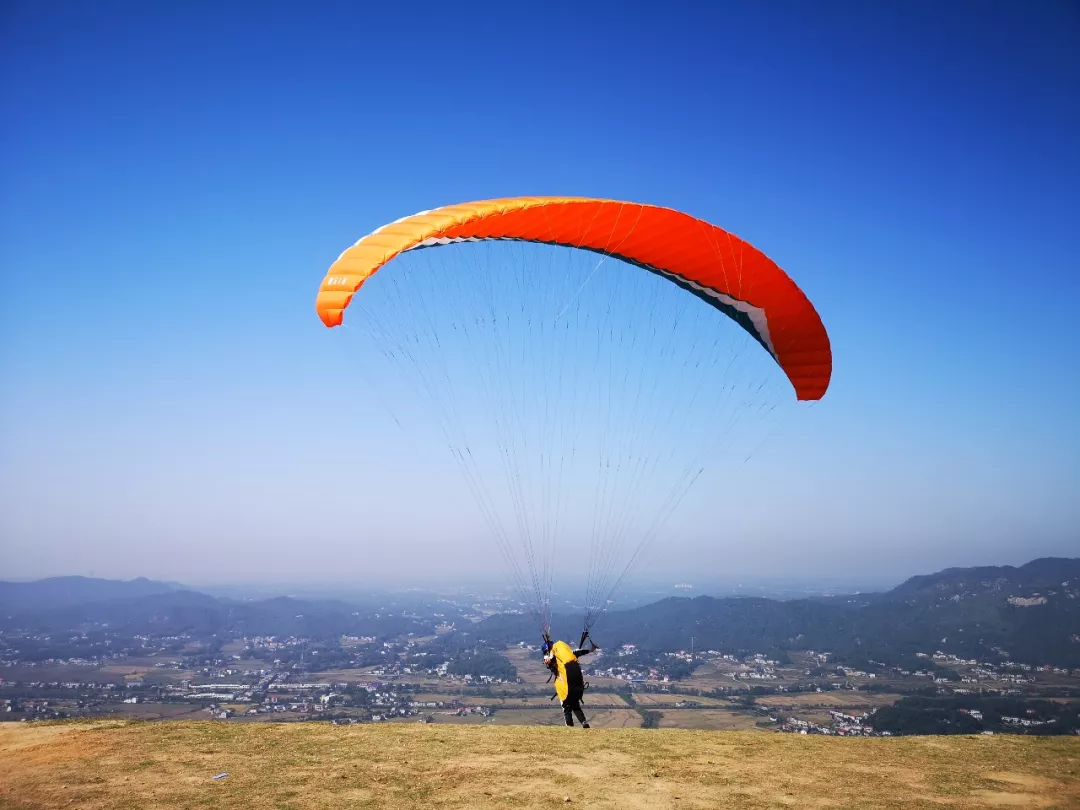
x=546 y=649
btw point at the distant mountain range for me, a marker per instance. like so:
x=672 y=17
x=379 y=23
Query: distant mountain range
x=60 y=592
x=163 y=608
x=1029 y=613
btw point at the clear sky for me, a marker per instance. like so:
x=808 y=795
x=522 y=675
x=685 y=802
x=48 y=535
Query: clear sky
x=177 y=177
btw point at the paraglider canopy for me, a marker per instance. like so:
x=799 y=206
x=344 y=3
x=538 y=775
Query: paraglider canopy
x=728 y=273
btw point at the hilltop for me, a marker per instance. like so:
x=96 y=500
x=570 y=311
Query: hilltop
x=1037 y=575
x=317 y=767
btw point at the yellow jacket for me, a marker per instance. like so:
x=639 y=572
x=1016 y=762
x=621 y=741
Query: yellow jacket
x=563 y=655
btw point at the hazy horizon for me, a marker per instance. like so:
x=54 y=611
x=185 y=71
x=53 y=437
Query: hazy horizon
x=689 y=583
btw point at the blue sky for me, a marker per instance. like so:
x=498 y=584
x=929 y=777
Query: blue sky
x=177 y=177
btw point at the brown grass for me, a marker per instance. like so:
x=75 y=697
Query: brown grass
x=707 y=719
x=346 y=675
x=153 y=766
x=114 y=673
x=649 y=699
x=594 y=699
x=832 y=700
x=598 y=717
x=530 y=666
x=156 y=711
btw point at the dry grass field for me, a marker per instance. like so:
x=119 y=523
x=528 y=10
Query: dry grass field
x=595 y=700
x=113 y=673
x=707 y=719
x=648 y=700
x=552 y=716
x=830 y=700
x=152 y=766
x=530 y=666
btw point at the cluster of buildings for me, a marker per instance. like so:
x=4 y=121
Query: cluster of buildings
x=31 y=708
x=753 y=667
x=977 y=671
x=1026 y=721
x=755 y=674
x=92 y=663
x=841 y=725
x=849 y=672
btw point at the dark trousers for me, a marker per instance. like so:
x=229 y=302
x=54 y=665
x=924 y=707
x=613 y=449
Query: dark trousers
x=571 y=707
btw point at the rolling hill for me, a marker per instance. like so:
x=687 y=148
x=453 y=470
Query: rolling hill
x=1029 y=614
x=188 y=612
x=60 y=592
x=319 y=766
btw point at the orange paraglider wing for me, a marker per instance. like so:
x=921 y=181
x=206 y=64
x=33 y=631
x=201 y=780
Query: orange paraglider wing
x=728 y=273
